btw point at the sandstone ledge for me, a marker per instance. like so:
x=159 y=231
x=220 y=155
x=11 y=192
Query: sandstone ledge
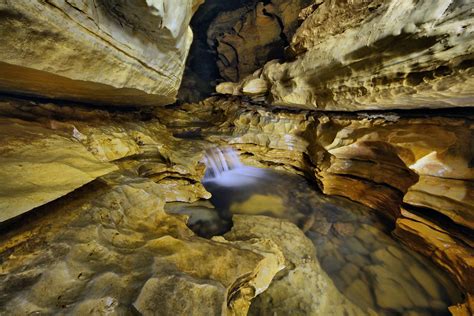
x=102 y=52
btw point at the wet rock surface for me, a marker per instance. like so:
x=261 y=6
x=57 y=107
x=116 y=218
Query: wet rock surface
x=134 y=257
x=106 y=211
x=120 y=234
x=366 y=264
x=374 y=159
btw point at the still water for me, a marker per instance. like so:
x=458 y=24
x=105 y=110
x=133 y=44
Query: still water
x=353 y=245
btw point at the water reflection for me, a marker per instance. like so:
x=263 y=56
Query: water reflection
x=353 y=244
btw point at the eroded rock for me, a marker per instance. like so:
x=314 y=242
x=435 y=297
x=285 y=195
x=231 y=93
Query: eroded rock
x=102 y=52
x=248 y=37
x=380 y=160
x=40 y=165
x=377 y=55
x=303 y=288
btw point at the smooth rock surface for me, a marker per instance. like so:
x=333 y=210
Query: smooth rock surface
x=43 y=158
x=303 y=288
x=102 y=52
x=39 y=165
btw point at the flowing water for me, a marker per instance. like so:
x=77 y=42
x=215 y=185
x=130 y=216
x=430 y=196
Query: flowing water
x=353 y=245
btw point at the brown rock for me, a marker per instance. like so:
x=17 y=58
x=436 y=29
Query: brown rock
x=246 y=38
x=445 y=250
x=113 y=52
x=353 y=56
x=344 y=229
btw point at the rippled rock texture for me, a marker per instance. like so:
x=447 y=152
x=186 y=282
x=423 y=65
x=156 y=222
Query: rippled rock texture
x=390 y=162
x=50 y=150
x=88 y=224
x=106 y=52
x=110 y=247
x=117 y=251
x=246 y=38
x=361 y=55
x=415 y=170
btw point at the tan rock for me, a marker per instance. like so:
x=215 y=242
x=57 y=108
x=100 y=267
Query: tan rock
x=107 y=274
x=227 y=88
x=380 y=161
x=465 y=309
x=303 y=288
x=259 y=204
x=113 y=52
x=39 y=165
x=378 y=55
x=359 y=292
x=158 y=296
x=451 y=197
x=344 y=229
x=255 y=86
x=349 y=274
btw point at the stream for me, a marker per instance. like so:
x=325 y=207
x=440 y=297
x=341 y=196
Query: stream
x=353 y=245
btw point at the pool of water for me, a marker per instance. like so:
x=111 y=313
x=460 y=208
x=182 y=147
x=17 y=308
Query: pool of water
x=353 y=245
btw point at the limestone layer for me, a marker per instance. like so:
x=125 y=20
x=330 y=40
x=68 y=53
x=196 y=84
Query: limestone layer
x=374 y=55
x=416 y=171
x=111 y=248
x=246 y=38
x=106 y=52
x=48 y=151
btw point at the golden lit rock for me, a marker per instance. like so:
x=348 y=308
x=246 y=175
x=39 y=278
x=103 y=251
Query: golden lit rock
x=367 y=55
x=39 y=165
x=108 y=52
x=123 y=222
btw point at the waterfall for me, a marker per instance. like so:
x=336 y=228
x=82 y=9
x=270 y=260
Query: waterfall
x=225 y=168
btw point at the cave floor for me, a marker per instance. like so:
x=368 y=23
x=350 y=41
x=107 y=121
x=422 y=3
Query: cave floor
x=118 y=242
x=353 y=244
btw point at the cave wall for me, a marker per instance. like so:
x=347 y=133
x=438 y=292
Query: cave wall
x=112 y=246
x=235 y=38
x=362 y=55
x=413 y=169
x=245 y=39
x=93 y=51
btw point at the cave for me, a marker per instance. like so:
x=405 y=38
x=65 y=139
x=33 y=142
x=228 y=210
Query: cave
x=241 y=157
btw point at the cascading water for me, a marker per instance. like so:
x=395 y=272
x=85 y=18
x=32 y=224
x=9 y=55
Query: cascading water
x=354 y=246
x=225 y=168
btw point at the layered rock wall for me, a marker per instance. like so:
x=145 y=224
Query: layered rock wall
x=414 y=170
x=361 y=55
x=94 y=51
x=246 y=38
x=110 y=247
x=346 y=56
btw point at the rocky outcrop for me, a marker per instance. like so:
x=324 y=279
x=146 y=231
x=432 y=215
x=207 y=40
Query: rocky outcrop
x=107 y=234
x=49 y=151
x=248 y=37
x=102 y=52
x=40 y=164
x=117 y=251
x=376 y=55
x=302 y=288
x=415 y=170
x=110 y=247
